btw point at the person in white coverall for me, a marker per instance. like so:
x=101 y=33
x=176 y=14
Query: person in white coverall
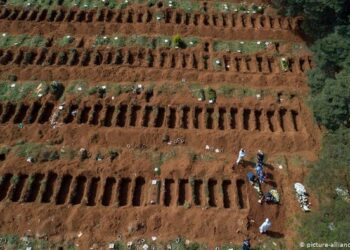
x=265 y=226
x=241 y=155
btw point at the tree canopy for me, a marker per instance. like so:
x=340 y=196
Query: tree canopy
x=327 y=24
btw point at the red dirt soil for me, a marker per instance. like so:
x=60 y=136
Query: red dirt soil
x=200 y=197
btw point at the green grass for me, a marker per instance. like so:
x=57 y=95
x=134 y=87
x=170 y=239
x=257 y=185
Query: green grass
x=188 y=6
x=180 y=244
x=240 y=92
x=218 y=64
x=197 y=91
x=235 y=7
x=169 y=89
x=84 y=4
x=77 y=88
x=7 y=41
x=298 y=48
x=43 y=152
x=66 y=40
x=4 y=150
x=15 y=91
x=245 y=47
x=211 y=94
x=9 y=241
x=119 y=41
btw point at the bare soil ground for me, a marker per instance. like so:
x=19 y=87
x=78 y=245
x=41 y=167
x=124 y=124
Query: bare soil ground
x=196 y=194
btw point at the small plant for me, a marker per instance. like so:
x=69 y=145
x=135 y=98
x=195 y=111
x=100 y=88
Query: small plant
x=117 y=89
x=151 y=3
x=67 y=153
x=14 y=179
x=242 y=7
x=178 y=42
x=187 y=205
x=99 y=156
x=48 y=155
x=257 y=9
x=54 y=155
x=113 y=154
x=31 y=180
x=211 y=94
x=4 y=150
x=101 y=91
x=92 y=90
x=284 y=63
x=227 y=91
x=159 y=16
x=193 y=157
x=165 y=138
x=66 y=40
x=56 y=89
x=217 y=64
x=157 y=170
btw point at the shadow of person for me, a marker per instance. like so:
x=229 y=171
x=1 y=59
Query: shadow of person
x=274 y=234
x=271 y=183
x=269 y=176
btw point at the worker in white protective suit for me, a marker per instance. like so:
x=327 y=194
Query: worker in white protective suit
x=241 y=155
x=265 y=226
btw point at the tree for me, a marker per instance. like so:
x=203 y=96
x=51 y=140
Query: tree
x=332 y=106
x=332 y=53
x=321 y=16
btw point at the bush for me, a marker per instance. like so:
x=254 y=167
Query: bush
x=101 y=91
x=211 y=94
x=99 y=156
x=178 y=42
x=66 y=40
x=56 y=89
x=113 y=154
x=284 y=63
x=257 y=9
x=328 y=24
x=325 y=15
x=242 y=7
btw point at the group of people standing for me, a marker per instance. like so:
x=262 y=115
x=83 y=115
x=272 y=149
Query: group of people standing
x=259 y=167
x=256 y=180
